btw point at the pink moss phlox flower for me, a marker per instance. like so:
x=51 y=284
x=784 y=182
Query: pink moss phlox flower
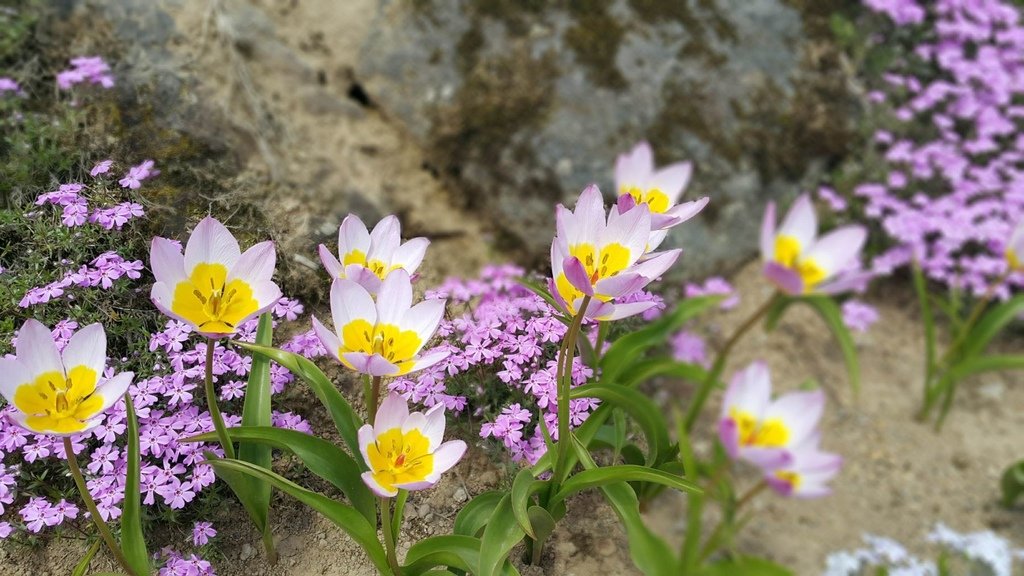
x=367 y=258
x=202 y=532
x=136 y=174
x=9 y=85
x=798 y=262
x=767 y=432
x=715 y=285
x=690 y=348
x=859 y=316
x=101 y=167
x=598 y=254
x=637 y=181
x=406 y=450
x=90 y=69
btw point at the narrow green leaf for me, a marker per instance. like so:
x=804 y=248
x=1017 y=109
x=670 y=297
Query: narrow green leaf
x=256 y=412
x=649 y=368
x=396 y=519
x=597 y=477
x=778 y=308
x=649 y=553
x=133 y=543
x=501 y=534
x=320 y=456
x=990 y=325
x=929 y=324
x=345 y=418
x=628 y=348
x=639 y=406
x=542 y=521
x=1013 y=484
x=833 y=317
x=524 y=486
x=83 y=565
x=470 y=521
x=342 y=515
x=451 y=550
x=970 y=367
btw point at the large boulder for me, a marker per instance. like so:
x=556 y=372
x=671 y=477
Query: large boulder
x=518 y=104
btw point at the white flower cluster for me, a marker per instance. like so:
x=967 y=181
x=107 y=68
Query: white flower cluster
x=987 y=553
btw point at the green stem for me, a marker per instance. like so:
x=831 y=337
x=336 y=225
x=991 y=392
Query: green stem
x=373 y=400
x=602 y=334
x=90 y=505
x=389 y=535
x=211 y=403
x=564 y=381
x=697 y=405
x=713 y=542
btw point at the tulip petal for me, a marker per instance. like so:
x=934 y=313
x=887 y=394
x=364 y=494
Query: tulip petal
x=423 y=318
x=113 y=389
x=682 y=212
x=162 y=297
x=749 y=391
x=656 y=238
x=87 y=347
x=672 y=180
x=589 y=217
x=800 y=413
x=620 y=311
x=634 y=168
x=433 y=428
x=632 y=230
x=255 y=264
x=393 y=413
x=353 y=235
x=446 y=456
x=330 y=262
x=211 y=242
x=376 y=488
x=784 y=279
x=12 y=375
x=366 y=437
x=166 y=261
x=329 y=339
x=36 y=350
x=385 y=239
x=576 y=274
x=656 y=264
x=410 y=255
x=838 y=249
x=350 y=301
x=394 y=298
x=620 y=285
x=852 y=281
x=429 y=359
x=801 y=222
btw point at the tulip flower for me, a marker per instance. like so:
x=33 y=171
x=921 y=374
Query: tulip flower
x=807 y=474
x=638 y=182
x=60 y=393
x=405 y=450
x=382 y=338
x=599 y=255
x=1015 y=248
x=799 y=262
x=213 y=287
x=368 y=257
x=766 y=432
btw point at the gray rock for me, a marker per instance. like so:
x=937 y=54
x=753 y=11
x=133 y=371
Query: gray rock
x=519 y=105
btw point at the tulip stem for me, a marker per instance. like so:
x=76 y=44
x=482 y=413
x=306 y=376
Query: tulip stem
x=389 y=534
x=373 y=399
x=713 y=542
x=697 y=405
x=563 y=380
x=211 y=403
x=90 y=505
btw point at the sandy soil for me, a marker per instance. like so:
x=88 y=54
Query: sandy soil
x=316 y=154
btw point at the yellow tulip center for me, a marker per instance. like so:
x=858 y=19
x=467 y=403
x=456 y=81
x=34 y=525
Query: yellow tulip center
x=397 y=458
x=54 y=403
x=378 y=267
x=1012 y=259
x=386 y=340
x=656 y=200
x=791 y=478
x=607 y=262
x=207 y=301
x=752 y=433
x=787 y=253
